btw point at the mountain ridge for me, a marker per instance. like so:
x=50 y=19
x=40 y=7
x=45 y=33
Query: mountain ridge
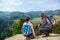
x=32 y=14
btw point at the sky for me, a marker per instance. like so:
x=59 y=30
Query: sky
x=29 y=5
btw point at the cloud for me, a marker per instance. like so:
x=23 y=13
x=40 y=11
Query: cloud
x=29 y=5
x=9 y=4
x=46 y=4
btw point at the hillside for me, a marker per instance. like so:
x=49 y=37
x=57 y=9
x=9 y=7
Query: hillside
x=32 y=14
x=57 y=18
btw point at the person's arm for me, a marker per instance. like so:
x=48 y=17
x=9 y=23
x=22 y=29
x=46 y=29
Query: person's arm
x=32 y=30
x=43 y=23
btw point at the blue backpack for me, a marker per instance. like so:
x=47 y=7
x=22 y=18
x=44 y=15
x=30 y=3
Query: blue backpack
x=26 y=30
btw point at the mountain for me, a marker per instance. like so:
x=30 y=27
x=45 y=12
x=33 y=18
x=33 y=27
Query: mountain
x=32 y=14
x=57 y=12
x=14 y=15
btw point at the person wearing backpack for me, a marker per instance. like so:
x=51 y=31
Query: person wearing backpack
x=27 y=28
x=45 y=26
x=52 y=21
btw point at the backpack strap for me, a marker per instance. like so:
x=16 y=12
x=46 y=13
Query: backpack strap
x=48 y=21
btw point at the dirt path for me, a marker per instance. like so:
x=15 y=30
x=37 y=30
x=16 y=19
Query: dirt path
x=21 y=37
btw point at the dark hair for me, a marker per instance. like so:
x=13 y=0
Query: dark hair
x=42 y=14
x=27 y=19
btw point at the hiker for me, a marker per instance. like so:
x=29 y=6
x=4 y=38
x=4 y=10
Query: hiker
x=45 y=26
x=27 y=28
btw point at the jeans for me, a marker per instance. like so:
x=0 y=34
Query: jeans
x=46 y=30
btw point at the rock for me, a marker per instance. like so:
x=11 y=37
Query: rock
x=21 y=37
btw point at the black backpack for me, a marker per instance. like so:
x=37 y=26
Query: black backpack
x=52 y=21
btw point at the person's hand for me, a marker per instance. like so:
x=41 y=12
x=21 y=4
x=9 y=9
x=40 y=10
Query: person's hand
x=33 y=37
x=40 y=24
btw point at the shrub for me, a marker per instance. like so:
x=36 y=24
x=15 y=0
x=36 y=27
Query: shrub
x=37 y=31
x=17 y=27
x=57 y=30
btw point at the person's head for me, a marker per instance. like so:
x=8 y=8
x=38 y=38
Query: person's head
x=27 y=19
x=42 y=15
